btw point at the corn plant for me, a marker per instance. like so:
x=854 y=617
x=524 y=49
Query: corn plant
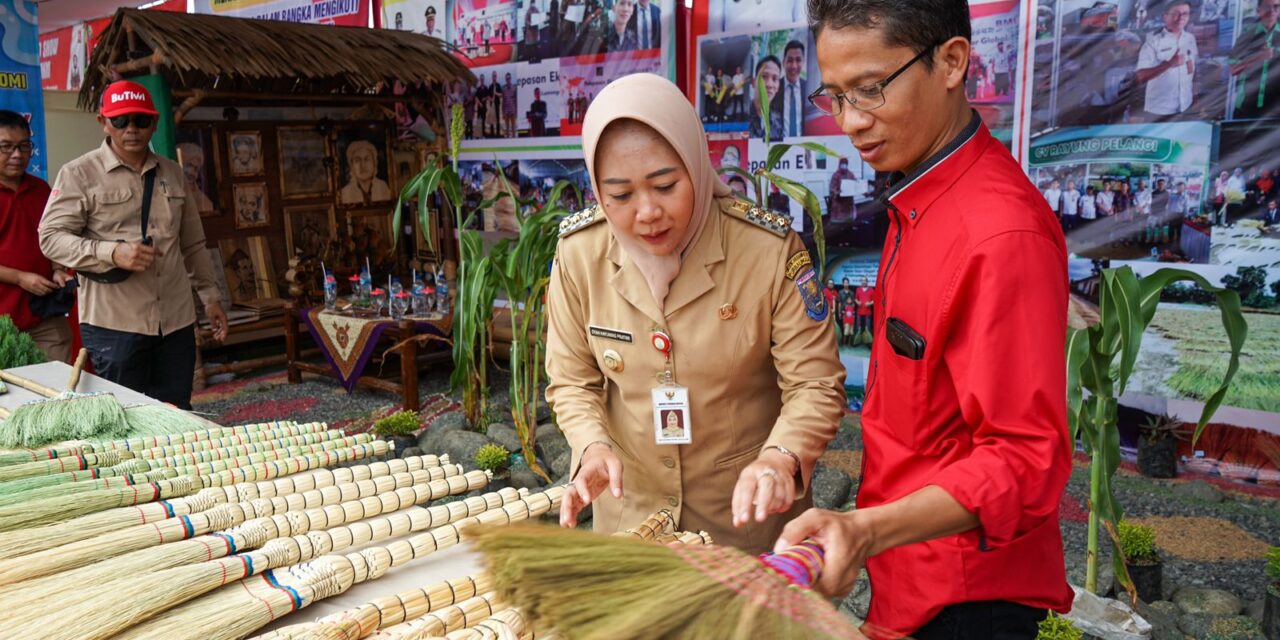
x=765 y=175
x=1100 y=360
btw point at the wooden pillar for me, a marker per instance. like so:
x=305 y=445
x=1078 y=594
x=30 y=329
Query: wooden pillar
x=409 y=365
x=291 y=342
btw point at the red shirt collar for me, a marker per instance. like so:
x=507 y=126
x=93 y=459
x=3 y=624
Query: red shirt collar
x=913 y=193
x=28 y=181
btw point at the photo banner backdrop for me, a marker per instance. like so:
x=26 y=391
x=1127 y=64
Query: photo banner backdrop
x=20 y=74
x=346 y=13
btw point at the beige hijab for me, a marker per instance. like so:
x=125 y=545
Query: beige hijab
x=656 y=102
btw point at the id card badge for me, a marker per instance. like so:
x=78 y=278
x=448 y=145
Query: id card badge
x=671 y=415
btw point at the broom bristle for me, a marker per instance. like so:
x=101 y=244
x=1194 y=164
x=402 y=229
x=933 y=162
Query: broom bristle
x=127 y=467
x=160 y=420
x=66 y=417
x=30 y=514
x=598 y=587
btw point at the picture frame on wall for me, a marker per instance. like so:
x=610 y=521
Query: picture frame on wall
x=404 y=159
x=245 y=149
x=251 y=205
x=303 y=171
x=246 y=262
x=364 y=165
x=198 y=156
x=311 y=231
x=370 y=235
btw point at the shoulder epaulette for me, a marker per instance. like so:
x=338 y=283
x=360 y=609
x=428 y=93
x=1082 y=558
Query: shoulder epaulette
x=777 y=223
x=580 y=220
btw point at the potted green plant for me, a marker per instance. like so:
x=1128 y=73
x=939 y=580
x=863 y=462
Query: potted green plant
x=1138 y=543
x=1271 y=605
x=1100 y=360
x=1056 y=627
x=1158 y=447
x=496 y=460
x=398 y=428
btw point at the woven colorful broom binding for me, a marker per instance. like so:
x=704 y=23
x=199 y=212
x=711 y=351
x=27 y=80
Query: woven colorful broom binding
x=452 y=618
x=97 y=611
x=137 y=465
x=275 y=520
x=59 y=465
x=16 y=543
x=238 y=611
x=41 y=512
x=290 y=430
x=436 y=484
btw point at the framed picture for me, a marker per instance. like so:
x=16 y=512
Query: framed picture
x=405 y=162
x=303 y=173
x=246 y=153
x=310 y=231
x=363 y=165
x=370 y=236
x=197 y=153
x=251 y=205
x=246 y=262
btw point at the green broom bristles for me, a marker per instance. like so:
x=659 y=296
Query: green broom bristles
x=29 y=514
x=237 y=611
x=62 y=465
x=32 y=579
x=22 y=542
x=131 y=466
x=596 y=587
x=160 y=419
x=70 y=416
x=69 y=488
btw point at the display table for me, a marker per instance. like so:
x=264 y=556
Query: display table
x=349 y=342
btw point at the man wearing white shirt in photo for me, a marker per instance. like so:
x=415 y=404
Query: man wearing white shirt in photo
x=1106 y=200
x=1088 y=205
x=1054 y=196
x=793 y=95
x=1070 y=206
x=1003 y=67
x=1167 y=64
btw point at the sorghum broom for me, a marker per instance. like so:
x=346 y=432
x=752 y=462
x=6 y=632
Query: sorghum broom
x=593 y=587
x=452 y=618
x=239 y=610
x=62 y=465
x=125 y=474
x=221 y=517
x=388 y=611
x=138 y=464
x=506 y=624
x=160 y=419
x=16 y=543
x=99 y=612
x=189 y=438
x=282 y=523
x=62 y=416
x=31 y=514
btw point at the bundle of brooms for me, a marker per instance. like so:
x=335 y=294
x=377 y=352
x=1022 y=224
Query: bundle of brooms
x=31 y=514
x=345 y=498
x=76 y=448
x=589 y=586
x=236 y=611
x=25 y=541
x=99 y=612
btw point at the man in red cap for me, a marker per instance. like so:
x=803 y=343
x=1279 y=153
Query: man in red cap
x=120 y=215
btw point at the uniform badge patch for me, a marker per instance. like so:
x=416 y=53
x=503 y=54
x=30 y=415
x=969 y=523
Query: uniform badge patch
x=797 y=263
x=815 y=304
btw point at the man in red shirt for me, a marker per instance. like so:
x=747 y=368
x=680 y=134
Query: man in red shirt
x=966 y=445
x=24 y=271
x=865 y=296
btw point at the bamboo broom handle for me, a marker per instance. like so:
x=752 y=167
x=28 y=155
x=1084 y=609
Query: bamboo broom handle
x=77 y=369
x=29 y=385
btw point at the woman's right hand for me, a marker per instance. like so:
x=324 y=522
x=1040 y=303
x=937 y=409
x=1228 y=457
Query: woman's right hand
x=599 y=468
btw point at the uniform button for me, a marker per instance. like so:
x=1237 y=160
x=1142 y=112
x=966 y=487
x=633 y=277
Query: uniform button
x=671 y=464
x=673 y=501
x=913 y=214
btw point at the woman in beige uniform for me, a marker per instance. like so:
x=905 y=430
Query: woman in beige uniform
x=690 y=300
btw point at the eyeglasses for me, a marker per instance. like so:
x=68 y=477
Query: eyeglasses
x=864 y=98
x=22 y=147
x=139 y=120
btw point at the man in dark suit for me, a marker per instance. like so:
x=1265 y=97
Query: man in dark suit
x=538 y=115
x=647 y=24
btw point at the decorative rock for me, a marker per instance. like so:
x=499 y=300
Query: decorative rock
x=1106 y=618
x=1211 y=627
x=462 y=446
x=858 y=602
x=522 y=477
x=409 y=452
x=542 y=413
x=505 y=435
x=551 y=445
x=1254 y=609
x=1163 y=619
x=1199 y=490
x=560 y=472
x=830 y=487
x=547 y=429
x=430 y=440
x=1213 y=602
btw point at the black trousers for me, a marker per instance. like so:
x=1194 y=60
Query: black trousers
x=158 y=366
x=990 y=620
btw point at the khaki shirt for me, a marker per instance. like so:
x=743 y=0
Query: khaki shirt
x=96 y=201
x=760 y=370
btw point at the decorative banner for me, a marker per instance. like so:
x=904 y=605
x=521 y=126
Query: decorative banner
x=20 y=85
x=345 y=13
x=55 y=53
x=583 y=77
x=427 y=17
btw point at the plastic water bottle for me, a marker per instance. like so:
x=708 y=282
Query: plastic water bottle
x=442 y=295
x=396 y=287
x=330 y=292
x=366 y=286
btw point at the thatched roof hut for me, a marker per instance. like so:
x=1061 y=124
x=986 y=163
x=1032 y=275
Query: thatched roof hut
x=215 y=59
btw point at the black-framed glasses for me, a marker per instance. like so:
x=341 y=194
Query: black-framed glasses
x=7 y=149
x=139 y=120
x=864 y=98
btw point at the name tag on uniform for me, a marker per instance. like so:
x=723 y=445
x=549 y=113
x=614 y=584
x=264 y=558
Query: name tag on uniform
x=671 y=423
x=610 y=334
